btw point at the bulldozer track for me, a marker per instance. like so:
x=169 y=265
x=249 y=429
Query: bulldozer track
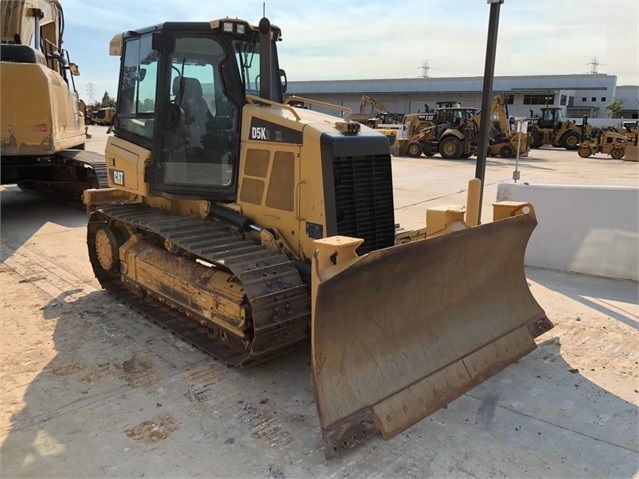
x=277 y=296
x=71 y=191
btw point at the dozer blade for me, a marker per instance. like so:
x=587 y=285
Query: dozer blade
x=403 y=331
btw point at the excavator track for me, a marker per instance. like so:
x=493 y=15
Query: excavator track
x=277 y=297
x=71 y=172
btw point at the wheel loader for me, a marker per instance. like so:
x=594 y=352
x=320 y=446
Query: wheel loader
x=43 y=131
x=246 y=225
x=552 y=128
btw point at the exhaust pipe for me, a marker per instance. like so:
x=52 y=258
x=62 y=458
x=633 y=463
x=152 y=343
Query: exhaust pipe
x=265 y=59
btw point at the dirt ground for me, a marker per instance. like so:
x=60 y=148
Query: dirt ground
x=91 y=389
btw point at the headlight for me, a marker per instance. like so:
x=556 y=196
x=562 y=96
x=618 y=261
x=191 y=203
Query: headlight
x=228 y=27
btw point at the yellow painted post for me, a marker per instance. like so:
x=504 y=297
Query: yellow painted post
x=472 y=202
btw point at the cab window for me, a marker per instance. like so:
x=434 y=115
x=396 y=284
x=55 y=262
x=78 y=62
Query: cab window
x=200 y=148
x=138 y=84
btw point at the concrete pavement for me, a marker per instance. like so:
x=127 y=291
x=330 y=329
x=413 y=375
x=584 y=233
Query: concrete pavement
x=92 y=389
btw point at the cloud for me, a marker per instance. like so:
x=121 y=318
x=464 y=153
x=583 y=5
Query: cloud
x=333 y=40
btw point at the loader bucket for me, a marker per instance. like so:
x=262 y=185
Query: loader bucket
x=400 y=332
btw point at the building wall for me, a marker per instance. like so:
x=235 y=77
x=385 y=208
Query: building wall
x=629 y=95
x=409 y=95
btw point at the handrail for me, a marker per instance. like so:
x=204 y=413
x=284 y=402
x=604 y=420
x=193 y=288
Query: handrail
x=345 y=109
x=252 y=99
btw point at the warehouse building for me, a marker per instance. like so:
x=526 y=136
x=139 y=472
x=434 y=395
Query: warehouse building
x=579 y=94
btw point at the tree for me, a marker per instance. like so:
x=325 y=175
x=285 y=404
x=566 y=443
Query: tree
x=614 y=109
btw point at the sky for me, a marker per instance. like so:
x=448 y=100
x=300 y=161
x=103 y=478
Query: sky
x=383 y=39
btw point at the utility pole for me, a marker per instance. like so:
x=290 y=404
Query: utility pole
x=489 y=73
x=594 y=63
x=90 y=92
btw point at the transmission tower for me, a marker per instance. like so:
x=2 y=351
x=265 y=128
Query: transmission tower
x=594 y=63
x=90 y=91
x=425 y=69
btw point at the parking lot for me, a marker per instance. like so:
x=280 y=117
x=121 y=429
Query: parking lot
x=93 y=390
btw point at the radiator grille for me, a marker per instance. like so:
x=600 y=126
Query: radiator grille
x=364 y=200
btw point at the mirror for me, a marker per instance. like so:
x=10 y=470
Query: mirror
x=73 y=68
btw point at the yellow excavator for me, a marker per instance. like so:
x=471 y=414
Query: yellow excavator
x=377 y=115
x=43 y=131
x=378 y=118
x=246 y=225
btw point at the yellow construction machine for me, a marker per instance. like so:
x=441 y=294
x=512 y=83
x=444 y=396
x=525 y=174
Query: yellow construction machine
x=378 y=114
x=42 y=128
x=502 y=140
x=552 y=128
x=245 y=225
x=449 y=131
x=607 y=141
x=631 y=130
x=379 y=118
x=104 y=116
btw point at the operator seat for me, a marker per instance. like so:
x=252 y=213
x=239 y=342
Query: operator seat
x=196 y=111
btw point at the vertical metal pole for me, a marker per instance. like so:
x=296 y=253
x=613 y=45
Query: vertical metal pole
x=37 y=16
x=489 y=71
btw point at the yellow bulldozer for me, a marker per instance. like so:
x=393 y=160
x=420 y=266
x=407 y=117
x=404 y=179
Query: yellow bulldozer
x=42 y=128
x=246 y=225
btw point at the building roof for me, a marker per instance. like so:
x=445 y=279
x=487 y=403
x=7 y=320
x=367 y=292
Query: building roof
x=537 y=83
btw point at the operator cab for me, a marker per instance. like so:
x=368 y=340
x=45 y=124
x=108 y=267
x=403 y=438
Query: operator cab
x=181 y=92
x=452 y=117
x=551 y=118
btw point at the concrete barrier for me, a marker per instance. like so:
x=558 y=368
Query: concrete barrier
x=582 y=229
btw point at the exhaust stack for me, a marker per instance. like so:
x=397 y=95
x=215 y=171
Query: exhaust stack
x=265 y=59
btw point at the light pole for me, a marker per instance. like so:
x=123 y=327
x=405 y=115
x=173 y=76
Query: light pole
x=489 y=71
